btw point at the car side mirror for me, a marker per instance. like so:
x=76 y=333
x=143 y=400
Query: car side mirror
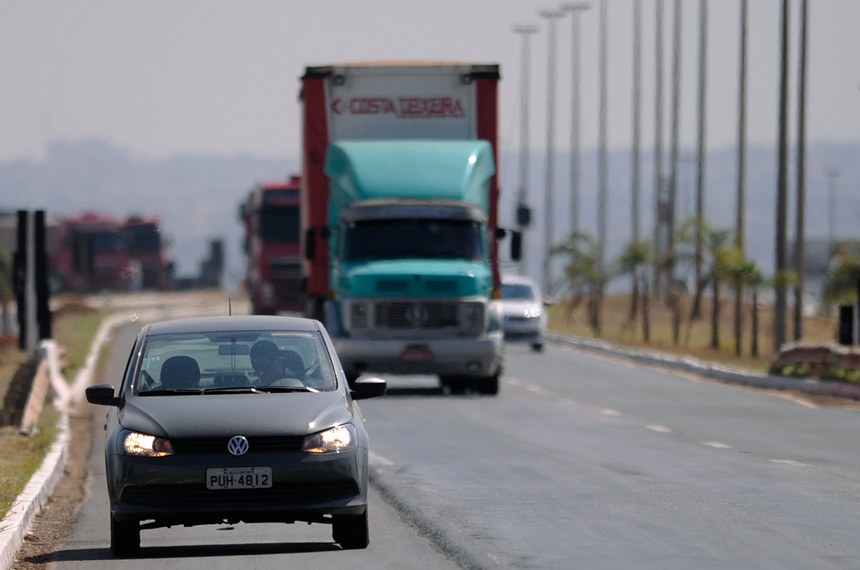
x=369 y=387
x=102 y=395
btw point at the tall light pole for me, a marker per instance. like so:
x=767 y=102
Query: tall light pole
x=637 y=119
x=779 y=304
x=660 y=204
x=551 y=16
x=700 y=154
x=800 y=210
x=523 y=213
x=676 y=117
x=833 y=174
x=574 y=9
x=602 y=170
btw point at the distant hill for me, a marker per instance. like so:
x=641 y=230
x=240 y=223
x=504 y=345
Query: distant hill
x=198 y=196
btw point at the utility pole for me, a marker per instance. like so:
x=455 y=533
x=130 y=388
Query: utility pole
x=551 y=16
x=800 y=209
x=779 y=323
x=833 y=174
x=523 y=213
x=676 y=118
x=603 y=174
x=700 y=159
x=741 y=190
x=637 y=118
x=659 y=202
x=574 y=9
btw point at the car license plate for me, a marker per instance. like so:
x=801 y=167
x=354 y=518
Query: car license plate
x=417 y=354
x=239 y=478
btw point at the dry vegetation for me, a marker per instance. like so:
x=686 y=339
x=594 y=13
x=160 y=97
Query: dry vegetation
x=695 y=337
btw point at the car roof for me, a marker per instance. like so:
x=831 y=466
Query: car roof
x=234 y=323
x=517 y=279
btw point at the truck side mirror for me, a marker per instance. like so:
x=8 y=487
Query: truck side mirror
x=516 y=245
x=310 y=243
x=311 y=240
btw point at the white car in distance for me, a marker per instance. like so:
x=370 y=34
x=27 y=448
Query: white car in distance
x=524 y=315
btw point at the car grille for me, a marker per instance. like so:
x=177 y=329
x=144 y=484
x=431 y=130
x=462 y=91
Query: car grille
x=216 y=445
x=286 y=495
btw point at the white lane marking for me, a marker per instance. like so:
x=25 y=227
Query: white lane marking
x=535 y=389
x=659 y=429
x=377 y=459
x=789 y=462
x=717 y=444
x=610 y=412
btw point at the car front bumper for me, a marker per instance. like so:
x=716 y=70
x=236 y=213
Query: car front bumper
x=172 y=490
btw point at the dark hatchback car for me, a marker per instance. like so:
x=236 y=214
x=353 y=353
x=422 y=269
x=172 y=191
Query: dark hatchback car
x=235 y=419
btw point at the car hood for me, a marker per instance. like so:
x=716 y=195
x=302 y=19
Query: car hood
x=514 y=307
x=230 y=414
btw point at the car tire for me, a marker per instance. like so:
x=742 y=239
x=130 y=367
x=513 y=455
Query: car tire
x=351 y=531
x=488 y=385
x=124 y=538
x=455 y=385
x=537 y=347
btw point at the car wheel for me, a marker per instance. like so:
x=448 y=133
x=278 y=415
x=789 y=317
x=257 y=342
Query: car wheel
x=454 y=384
x=488 y=385
x=537 y=347
x=350 y=531
x=124 y=537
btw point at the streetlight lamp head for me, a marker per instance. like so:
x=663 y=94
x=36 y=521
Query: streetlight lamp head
x=525 y=29
x=575 y=6
x=551 y=14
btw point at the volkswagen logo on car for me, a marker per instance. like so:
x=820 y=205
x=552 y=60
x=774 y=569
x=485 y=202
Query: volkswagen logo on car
x=417 y=315
x=238 y=445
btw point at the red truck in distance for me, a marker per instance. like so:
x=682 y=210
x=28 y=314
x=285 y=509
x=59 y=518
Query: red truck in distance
x=87 y=253
x=270 y=216
x=146 y=250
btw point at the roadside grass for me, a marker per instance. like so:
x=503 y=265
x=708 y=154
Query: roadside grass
x=22 y=455
x=74 y=327
x=695 y=338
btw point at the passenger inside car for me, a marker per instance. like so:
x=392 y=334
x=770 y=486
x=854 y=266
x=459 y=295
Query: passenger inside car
x=179 y=373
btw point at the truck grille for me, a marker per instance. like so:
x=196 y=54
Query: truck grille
x=410 y=315
x=368 y=317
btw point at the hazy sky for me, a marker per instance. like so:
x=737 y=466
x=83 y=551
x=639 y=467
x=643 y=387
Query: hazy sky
x=214 y=76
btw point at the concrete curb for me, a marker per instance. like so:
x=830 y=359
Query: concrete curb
x=16 y=524
x=710 y=370
x=40 y=486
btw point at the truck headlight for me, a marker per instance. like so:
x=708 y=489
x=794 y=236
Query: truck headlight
x=358 y=313
x=472 y=316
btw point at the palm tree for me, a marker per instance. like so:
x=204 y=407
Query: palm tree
x=631 y=262
x=583 y=277
x=840 y=283
x=743 y=272
x=722 y=258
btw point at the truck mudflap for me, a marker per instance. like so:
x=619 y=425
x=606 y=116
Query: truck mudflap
x=454 y=357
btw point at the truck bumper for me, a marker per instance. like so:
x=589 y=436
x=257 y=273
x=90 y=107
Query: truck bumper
x=446 y=357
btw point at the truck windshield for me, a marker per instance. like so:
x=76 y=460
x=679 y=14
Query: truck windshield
x=280 y=224
x=398 y=239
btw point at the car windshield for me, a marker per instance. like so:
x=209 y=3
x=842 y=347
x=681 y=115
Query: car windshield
x=230 y=362
x=517 y=291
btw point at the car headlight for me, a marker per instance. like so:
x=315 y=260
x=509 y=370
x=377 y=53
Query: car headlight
x=135 y=443
x=333 y=440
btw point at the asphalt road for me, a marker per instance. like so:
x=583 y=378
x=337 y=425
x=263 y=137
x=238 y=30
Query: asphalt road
x=579 y=462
